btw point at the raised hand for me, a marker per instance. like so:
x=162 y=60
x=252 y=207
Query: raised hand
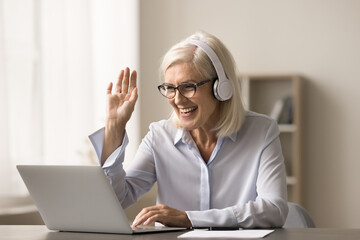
x=120 y=105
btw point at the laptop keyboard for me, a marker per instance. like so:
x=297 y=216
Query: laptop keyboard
x=143 y=228
x=146 y=228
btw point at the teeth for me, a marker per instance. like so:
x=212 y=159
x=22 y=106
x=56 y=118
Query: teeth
x=186 y=110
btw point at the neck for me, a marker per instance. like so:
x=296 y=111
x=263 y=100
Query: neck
x=205 y=141
x=203 y=137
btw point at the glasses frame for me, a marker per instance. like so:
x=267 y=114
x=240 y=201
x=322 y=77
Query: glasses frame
x=194 y=85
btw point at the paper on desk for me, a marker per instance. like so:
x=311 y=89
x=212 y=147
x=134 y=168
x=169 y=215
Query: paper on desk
x=226 y=234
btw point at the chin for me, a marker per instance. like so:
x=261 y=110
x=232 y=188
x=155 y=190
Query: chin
x=187 y=126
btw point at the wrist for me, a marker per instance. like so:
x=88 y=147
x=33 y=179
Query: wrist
x=114 y=134
x=114 y=125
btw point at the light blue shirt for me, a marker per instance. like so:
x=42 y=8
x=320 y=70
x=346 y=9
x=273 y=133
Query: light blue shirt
x=243 y=184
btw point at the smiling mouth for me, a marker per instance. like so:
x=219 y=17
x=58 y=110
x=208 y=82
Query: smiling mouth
x=187 y=110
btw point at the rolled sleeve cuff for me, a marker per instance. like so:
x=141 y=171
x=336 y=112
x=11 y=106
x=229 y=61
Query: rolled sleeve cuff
x=97 y=140
x=213 y=218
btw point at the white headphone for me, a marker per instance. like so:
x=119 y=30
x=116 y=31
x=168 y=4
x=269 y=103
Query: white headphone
x=222 y=86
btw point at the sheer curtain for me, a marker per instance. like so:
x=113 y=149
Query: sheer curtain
x=56 y=59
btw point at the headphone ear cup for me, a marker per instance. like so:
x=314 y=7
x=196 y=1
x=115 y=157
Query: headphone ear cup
x=215 y=87
x=222 y=90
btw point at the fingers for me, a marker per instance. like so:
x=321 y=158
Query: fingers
x=133 y=96
x=163 y=214
x=154 y=218
x=145 y=214
x=122 y=85
x=109 y=88
x=125 y=81
x=133 y=80
x=119 y=82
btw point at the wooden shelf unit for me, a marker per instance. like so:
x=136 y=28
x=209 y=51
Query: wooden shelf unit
x=260 y=94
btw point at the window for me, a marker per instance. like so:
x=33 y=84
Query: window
x=56 y=60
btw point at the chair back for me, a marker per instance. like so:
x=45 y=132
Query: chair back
x=298 y=217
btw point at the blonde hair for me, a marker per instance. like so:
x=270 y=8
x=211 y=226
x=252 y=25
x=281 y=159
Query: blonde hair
x=231 y=111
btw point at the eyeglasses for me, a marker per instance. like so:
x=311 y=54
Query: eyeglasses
x=188 y=90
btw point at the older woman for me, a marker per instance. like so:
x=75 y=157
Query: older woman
x=215 y=164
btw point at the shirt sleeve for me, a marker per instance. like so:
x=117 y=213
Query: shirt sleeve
x=270 y=208
x=131 y=184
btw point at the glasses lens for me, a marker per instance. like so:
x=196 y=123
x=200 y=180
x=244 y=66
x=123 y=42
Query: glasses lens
x=166 y=91
x=187 y=89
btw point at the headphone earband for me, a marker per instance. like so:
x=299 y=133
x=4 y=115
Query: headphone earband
x=221 y=87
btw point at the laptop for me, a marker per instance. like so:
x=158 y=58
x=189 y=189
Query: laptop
x=78 y=199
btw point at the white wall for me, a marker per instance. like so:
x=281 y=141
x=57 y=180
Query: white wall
x=318 y=39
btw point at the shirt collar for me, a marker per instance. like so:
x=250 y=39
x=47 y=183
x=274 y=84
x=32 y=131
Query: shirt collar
x=184 y=136
x=233 y=136
x=178 y=135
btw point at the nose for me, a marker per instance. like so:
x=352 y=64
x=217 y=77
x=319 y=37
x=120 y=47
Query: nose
x=179 y=98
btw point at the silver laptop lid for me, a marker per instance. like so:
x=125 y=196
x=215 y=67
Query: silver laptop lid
x=75 y=198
